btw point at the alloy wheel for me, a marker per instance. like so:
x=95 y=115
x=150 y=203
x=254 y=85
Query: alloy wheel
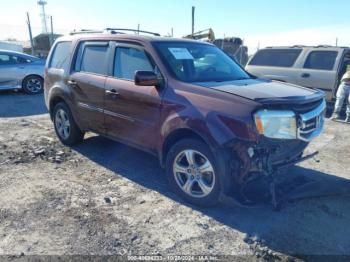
x=194 y=173
x=62 y=124
x=34 y=85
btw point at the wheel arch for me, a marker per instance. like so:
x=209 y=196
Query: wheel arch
x=53 y=102
x=174 y=137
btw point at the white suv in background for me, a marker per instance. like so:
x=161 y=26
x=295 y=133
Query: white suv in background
x=318 y=67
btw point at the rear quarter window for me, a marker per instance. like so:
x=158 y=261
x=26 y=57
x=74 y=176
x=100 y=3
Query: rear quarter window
x=321 y=60
x=61 y=56
x=275 y=57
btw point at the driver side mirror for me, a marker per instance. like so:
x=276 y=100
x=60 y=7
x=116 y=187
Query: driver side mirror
x=146 y=78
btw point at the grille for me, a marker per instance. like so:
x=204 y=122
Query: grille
x=304 y=108
x=310 y=123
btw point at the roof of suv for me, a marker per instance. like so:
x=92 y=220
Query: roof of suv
x=141 y=38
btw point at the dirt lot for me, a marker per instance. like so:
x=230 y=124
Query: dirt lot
x=103 y=198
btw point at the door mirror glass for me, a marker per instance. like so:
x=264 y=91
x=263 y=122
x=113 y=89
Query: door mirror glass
x=146 y=78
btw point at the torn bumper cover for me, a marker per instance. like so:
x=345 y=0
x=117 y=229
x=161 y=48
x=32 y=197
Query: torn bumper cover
x=256 y=174
x=265 y=158
x=296 y=161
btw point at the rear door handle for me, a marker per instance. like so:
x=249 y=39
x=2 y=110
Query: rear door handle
x=72 y=83
x=305 y=75
x=112 y=92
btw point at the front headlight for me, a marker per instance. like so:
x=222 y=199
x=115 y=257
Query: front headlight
x=276 y=124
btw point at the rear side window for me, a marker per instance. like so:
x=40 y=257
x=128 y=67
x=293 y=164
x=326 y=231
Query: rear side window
x=6 y=59
x=129 y=60
x=321 y=60
x=276 y=57
x=61 y=55
x=92 y=57
x=93 y=60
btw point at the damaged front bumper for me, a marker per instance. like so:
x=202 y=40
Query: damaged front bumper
x=257 y=167
x=269 y=156
x=265 y=157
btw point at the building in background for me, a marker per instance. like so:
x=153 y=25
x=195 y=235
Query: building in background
x=41 y=45
x=11 y=45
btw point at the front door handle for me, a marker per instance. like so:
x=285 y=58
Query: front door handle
x=305 y=75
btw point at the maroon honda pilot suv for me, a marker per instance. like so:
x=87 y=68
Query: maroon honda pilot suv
x=214 y=127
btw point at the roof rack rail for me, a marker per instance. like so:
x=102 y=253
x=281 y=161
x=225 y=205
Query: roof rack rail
x=123 y=30
x=293 y=46
x=324 y=46
x=85 y=31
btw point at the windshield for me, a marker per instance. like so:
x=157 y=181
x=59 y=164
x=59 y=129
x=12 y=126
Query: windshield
x=199 y=62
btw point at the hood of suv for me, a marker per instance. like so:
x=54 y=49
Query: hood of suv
x=265 y=91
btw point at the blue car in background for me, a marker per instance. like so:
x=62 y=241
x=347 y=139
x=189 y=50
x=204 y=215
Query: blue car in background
x=21 y=71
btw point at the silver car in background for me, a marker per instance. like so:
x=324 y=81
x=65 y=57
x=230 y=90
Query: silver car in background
x=21 y=71
x=319 y=67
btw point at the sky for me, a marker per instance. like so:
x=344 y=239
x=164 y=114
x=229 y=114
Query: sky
x=260 y=23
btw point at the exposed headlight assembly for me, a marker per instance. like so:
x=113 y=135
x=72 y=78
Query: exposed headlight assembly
x=276 y=124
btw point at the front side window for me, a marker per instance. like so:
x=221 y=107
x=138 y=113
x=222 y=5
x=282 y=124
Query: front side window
x=22 y=60
x=321 y=60
x=129 y=60
x=61 y=55
x=199 y=62
x=275 y=57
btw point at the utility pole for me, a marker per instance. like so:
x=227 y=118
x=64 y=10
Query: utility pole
x=242 y=48
x=222 y=43
x=30 y=34
x=138 y=28
x=172 y=32
x=42 y=4
x=51 y=35
x=336 y=41
x=193 y=9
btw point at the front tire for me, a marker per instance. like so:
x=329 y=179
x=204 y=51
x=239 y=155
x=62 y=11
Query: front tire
x=33 y=85
x=193 y=172
x=66 y=129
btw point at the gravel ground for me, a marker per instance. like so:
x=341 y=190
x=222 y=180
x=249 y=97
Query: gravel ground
x=103 y=198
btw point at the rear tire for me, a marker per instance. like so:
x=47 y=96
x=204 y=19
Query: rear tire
x=197 y=180
x=66 y=129
x=33 y=85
